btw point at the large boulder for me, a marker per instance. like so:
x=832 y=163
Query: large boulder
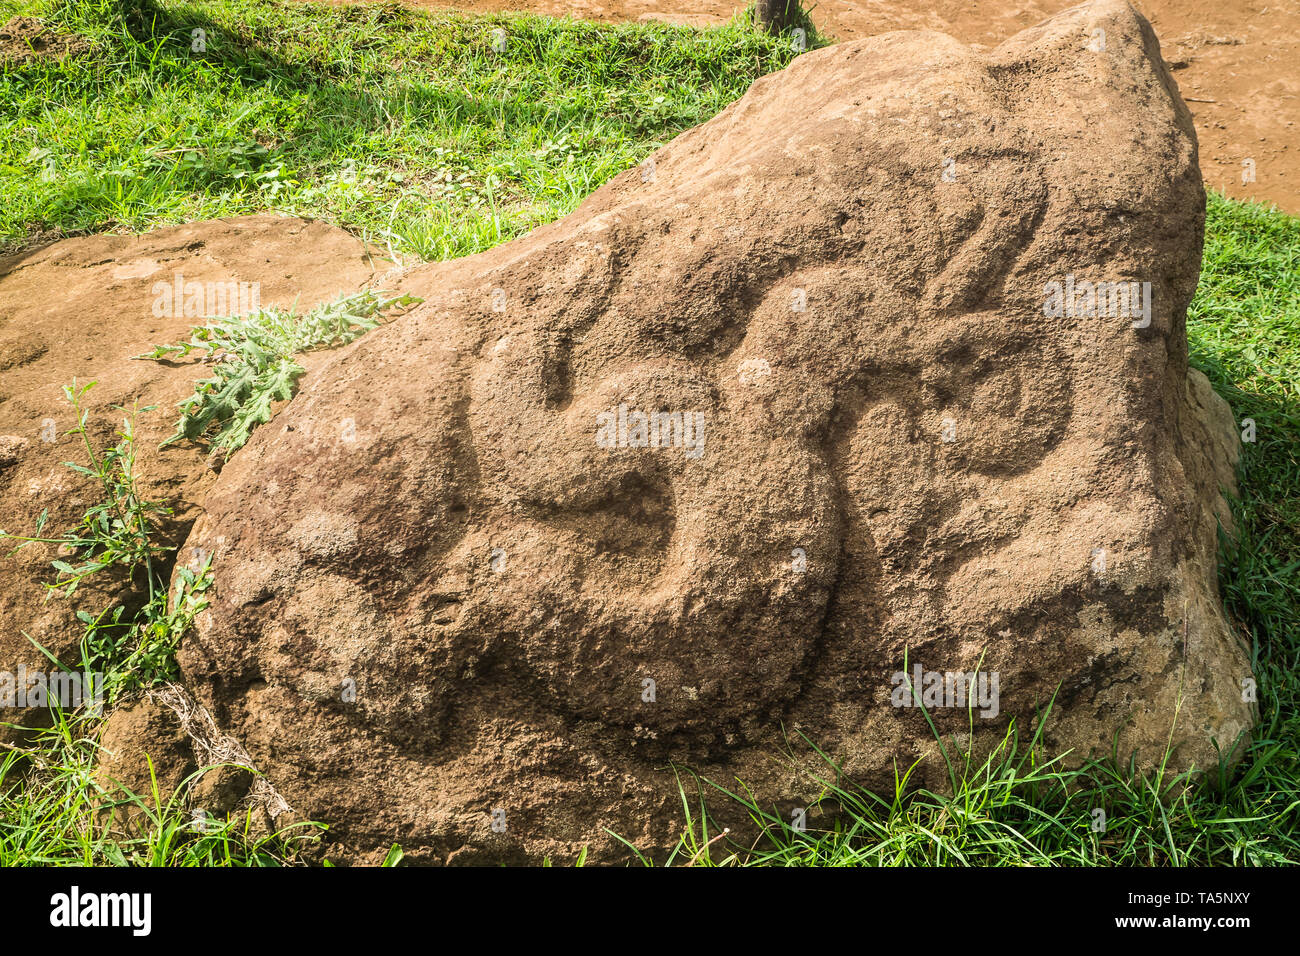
x=474 y=596
x=81 y=310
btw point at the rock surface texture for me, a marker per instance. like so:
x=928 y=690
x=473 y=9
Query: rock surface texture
x=449 y=571
x=81 y=309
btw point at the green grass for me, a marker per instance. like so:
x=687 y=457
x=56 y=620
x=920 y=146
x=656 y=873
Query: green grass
x=55 y=813
x=406 y=128
x=409 y=129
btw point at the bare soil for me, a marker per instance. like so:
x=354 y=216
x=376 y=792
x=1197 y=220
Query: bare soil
x=27 y=38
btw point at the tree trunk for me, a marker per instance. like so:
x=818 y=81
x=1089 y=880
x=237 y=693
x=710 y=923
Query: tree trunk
x=774 y=16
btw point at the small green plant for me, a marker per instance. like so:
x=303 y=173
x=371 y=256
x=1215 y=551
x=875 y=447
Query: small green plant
x=148 y=655
x=132 y=649
x=254 y=365
x=116 y=531
x=54 y=807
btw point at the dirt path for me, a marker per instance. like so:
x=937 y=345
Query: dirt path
x=1237 y=63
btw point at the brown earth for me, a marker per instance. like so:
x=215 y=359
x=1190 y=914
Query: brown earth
x=1237 y=64
x=142 y=747
x=80 y=310
x=453 y=609
x=28 y=38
